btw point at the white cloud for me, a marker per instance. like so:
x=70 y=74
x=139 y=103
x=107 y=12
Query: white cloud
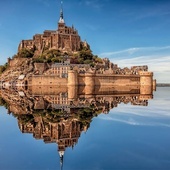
x=134 y=122
x=148 y=12
x=157 y=59
x=136 y=51
x=91 y=27
x=156 y=114
x=45 y=2
x=96 y=4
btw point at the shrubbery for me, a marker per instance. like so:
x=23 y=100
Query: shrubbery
x=83 y=56
x=25 y=53
x=3 y=68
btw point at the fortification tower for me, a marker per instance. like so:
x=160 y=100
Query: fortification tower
x=146 y=82
x=89 y=83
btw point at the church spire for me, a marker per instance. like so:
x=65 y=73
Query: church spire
x=61 y=153
x=61 y=20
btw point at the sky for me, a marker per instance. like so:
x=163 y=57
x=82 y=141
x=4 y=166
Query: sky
x=128 y=32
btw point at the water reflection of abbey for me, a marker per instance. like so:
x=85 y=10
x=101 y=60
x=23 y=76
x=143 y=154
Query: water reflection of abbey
x=60 y=114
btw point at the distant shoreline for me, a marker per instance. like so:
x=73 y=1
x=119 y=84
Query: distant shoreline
x=163 y=84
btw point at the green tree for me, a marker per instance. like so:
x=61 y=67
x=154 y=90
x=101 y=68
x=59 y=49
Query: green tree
x=3 y=67
x=25 y=53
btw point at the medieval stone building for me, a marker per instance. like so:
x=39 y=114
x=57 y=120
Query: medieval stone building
x=65 y=39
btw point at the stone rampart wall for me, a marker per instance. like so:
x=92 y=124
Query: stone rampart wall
x=42 y=80
x=92 y=80
x=142 y=83
x=109 y=90
x=47 y=90
x=108 y=80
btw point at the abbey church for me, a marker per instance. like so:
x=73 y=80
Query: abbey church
x=65 y=39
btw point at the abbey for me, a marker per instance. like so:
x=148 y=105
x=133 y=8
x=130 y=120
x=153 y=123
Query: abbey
x=65 y=39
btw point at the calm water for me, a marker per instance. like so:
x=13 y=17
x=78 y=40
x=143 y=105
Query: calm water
x=128 y=138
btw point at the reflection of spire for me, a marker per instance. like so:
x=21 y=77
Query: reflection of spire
x=61 y=20
x=61 y=153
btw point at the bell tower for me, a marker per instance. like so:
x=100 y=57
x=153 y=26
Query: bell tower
x=61 y=23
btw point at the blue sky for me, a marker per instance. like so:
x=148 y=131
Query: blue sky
x=128 y=32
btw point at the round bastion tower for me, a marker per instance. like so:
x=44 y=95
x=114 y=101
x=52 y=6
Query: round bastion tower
x=72 y=78
x=146 y=82
x=89 y=83
x=72 y=84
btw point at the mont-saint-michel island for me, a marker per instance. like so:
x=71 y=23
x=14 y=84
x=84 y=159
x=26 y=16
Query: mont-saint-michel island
x=59 y=58
x=78 y=90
